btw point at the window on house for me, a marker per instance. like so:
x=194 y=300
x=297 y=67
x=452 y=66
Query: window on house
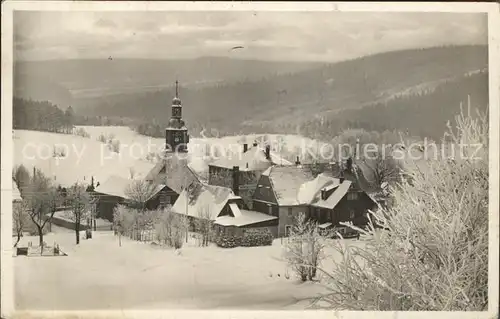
x=290 y=213
x=352 y=196
x=270 y=209
x=351 y=214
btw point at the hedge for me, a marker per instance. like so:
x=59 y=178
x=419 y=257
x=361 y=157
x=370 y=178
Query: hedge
x=228 y=241
x=257 y=237
x=251 y=238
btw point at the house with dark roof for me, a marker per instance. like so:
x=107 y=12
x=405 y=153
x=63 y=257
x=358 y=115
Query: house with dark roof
x=248 y=164
x=114 y=191
x=284 y=192
x=220 y=205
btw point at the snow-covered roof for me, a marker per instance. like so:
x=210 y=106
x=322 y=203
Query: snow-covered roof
x=334 y=198
x=252 y=160
x=309 y=190
x=117 y=186
x=286 y=182
x=297 y=186
x=16 y=195
x=242 y=217
x=173 y=172
x=199 y=199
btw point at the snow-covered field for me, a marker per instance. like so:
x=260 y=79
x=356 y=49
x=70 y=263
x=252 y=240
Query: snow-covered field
x=98 y=274
x=87 y=157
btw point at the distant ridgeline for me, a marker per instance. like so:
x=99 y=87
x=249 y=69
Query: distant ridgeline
x=403 y=89
x=416 y=90
x=423 y=113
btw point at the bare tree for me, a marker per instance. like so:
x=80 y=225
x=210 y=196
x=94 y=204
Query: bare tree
x=139 y=192
x=41 y=200
x=19 y=220
x=383 y=168
x=79 y=202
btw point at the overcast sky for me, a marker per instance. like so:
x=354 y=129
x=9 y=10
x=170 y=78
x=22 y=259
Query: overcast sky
x=320 y=36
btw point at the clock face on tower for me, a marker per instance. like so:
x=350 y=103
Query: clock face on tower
x=176 y=111
x=177 y=137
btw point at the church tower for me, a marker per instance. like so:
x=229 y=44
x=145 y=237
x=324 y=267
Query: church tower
x=176 y=133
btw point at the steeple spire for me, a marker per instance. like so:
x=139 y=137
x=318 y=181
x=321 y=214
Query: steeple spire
x=176 y=88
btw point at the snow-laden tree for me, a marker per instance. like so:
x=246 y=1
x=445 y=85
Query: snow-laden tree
x=41 y=199
x=124 y=219
x=203 y=224
x=79 y=206
x=138 y=193
x=304 y=248
x=433 y=251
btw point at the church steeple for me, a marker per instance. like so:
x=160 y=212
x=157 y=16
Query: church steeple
x=176 y=132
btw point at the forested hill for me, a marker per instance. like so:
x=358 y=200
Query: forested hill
x=66 y=81
x=423 y=113
x=294 y=98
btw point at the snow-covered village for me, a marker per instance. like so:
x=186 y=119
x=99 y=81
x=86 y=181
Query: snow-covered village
x=247 y=173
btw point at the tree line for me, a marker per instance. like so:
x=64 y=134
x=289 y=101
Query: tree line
x=41 y=116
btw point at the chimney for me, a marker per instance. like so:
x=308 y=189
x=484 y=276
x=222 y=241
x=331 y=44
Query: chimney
x=348 y=164
x=341 y=177
x=323 y=194
x=297 y=162
x=245 y=147
x=268 y=152
x=335 y=169
x=236 y=180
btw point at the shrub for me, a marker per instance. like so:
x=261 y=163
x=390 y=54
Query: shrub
x=81 y=132
x=102 y=138
x=257 y=237
x=171 y=229
x=228 y=241
x=58 y=152
x=114 y=145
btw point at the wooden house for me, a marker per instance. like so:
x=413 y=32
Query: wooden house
x=284 y=192
x=220 y=205
x=248 y=164
x=114 y=191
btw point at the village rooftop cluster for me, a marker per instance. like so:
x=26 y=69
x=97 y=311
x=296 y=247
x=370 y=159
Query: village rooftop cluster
x=216 y=150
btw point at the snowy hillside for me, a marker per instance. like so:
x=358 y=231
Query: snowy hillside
x=87 y=157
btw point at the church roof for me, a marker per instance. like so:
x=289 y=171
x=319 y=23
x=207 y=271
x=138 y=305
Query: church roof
x=173 y=172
